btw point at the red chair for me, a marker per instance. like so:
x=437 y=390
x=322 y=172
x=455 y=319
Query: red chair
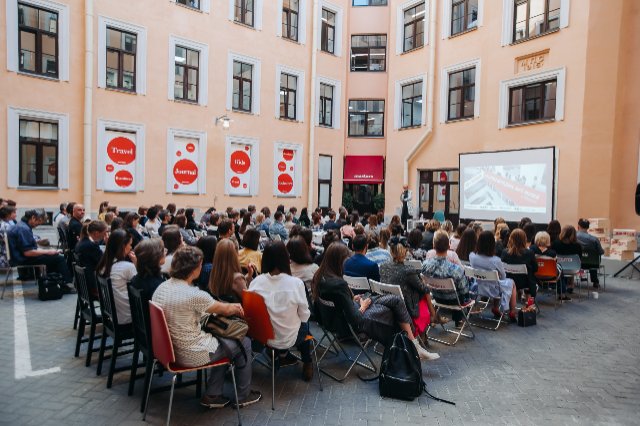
x=548 y=274
x=163 y=352
x=261 y=330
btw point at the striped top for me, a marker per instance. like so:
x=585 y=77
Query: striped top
x=183 y=306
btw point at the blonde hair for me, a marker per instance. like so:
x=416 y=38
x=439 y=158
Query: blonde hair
x=398 y=252
x=225 y=266
x=499 y=227
x=543 y=239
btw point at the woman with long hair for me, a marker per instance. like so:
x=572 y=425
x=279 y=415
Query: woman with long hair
x=372 y=226
x=385 y=236
x=554 y=229
x=181 y=222
x=501 y=243
x=119 y=264
x=191 y=220
x=172 y=239
x=304 y=219
x=467 y=244
x=131 y=224
x=246 y=224
x=208 y=246
x=227 y=280
x=302 y=265
x=379 y=317
x=517 y=253
x=102 y=210
x=286 y=301
x=454 y=239
x=150 y=258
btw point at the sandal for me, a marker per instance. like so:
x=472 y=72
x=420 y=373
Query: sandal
x=439 y=320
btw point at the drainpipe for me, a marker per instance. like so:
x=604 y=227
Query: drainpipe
x=88 y=103
x=312 y=107
x=430 y=92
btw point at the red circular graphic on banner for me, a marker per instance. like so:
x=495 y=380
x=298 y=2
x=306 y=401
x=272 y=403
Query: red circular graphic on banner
x=110 y=168
x=282 y=166
x=121 y=150
x=185 y=172
x=291 y=168
x=52 y=169
x=123 y=178
x=191 y=147
x=443 y=176
x=240 y=162
x=244 y=185
x=285 y=183
x=246 y=148
x=287 y=154
x=235 y=181
x=179 y=153
x=176 y=186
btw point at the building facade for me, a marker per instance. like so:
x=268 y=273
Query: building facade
x=236 y=102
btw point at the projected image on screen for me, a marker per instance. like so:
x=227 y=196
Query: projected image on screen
x=510 y=184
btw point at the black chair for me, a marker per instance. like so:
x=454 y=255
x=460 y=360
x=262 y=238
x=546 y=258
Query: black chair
x=88 y=311
x=591 y=259
x=122 y=335
x=75 y=262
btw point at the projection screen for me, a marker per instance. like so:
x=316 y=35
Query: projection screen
x=508 y=184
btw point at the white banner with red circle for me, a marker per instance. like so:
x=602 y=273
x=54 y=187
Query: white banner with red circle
x=241 y=166
x=186 y=162
x=287 y=173
x=120 y=168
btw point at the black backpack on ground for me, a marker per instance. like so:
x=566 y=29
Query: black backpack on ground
x=401 y=371
x=50 y=286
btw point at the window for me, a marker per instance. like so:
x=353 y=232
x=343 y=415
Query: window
x=328 y=31
x=366 y=118
x=186 y=74
x=288 y=89
x=533 y=102
x=368 y=52
x=191 y=3
x=535 y=17
x=290 y=9
x=462 y=93
x=414 y=27
x=464 y=15
x=244 y=12
x=38 y=153
x=412 y=104
x=121 y=59
x=326 y=105
x=38 y=40
x=324 y=180
x=369 y=2
x=242 y=78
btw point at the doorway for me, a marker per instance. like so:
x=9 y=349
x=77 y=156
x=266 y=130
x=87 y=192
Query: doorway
x=439 y=191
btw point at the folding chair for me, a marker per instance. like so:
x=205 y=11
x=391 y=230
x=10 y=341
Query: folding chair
x=591 y=259
x=381 y=288
x=357 y=284
x=260 y=329
x=415 y=264
x=446 y=285
x=329 y=317
x=547 y=274
x=88 y=312
x=9 y=270
x=484 y=279
x=571 y=266
x=520 y=275
x=163 y=351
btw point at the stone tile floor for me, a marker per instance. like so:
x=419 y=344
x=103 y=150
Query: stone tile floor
x=579 y=365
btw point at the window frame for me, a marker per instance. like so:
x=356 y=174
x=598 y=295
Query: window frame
x=369 y=53
x=121 y=53
x=325 y=181
x=243 y=11
x=38 y=34
x=324 y=31
x=337 y=101
x=322 y=118
x=339 y=26
x=289 y=12
x=460 y=89
x=185 y=73
x=241 y=81
x=255 y=82
x=546 y=30
x=39 y=146
x=203 y=69
x=508 y=22
x=414 y=24
x=287 y=92
x=366 y=119
x=465 y=22
x=542 y=99
x=413 y=100
x=444 y=89
x=386 y=3
x=200 y=6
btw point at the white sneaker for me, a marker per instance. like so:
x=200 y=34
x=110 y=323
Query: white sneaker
x=425 y=354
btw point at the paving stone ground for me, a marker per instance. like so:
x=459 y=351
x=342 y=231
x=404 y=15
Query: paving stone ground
x=578 y=366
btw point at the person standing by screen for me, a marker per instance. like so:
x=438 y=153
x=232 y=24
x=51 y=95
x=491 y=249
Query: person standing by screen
x=405 y=198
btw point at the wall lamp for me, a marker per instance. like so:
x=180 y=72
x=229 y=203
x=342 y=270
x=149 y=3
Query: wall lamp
x=225 y=120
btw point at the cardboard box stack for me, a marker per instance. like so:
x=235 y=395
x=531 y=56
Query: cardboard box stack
x=600 y=228
x=623 y=244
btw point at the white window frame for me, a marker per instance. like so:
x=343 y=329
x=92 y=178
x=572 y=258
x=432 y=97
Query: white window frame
x=446 y=18
x=139 y=129
x=280 y=69
x=63 y=36
x=141 y=51
x=255 y=81
x=397 y=116
x=255 y=163
x=203 y=67
x=302 y=22
x=505 y=85
x=444 y=88
x=257 y=14
x=297 y=182
x=172 y=134
x=400 y=25
x=338 y=38
x=205 y=5
x=336 y=105
x=14 y=115
x=508 y=7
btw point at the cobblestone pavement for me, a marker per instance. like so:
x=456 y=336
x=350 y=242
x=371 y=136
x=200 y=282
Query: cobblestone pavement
x=579 y=365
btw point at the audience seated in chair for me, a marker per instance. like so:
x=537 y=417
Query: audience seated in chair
x=227 y=280
x=149 y=260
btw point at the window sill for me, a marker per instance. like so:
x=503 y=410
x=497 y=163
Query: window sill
x=461 y=33
x=326 y=126
x=457 y=120
x=406 y=52
x=365 y=137
x=40 y=76
x=363 y=71
x=529 y=123
x=185 y=102
x=37 y=188
x=328 y=53
x=289 y=120
x=123 y=91
x=239 y=111
x=290 y=40
x=251 y=27
x=417 y=126
x=191 y=8
x=524 y=40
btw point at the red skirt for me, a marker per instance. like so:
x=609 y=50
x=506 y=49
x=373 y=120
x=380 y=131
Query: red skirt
x=421 y=322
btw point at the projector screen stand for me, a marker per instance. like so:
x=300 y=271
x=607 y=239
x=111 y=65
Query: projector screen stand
x=631 y=263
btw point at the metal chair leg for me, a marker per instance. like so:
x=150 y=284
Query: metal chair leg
x=315 y=354
x=6 y=281
x=173 y=385
x=79 y=337
x=273 y=379
x=148 y=390
x=235 y=392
